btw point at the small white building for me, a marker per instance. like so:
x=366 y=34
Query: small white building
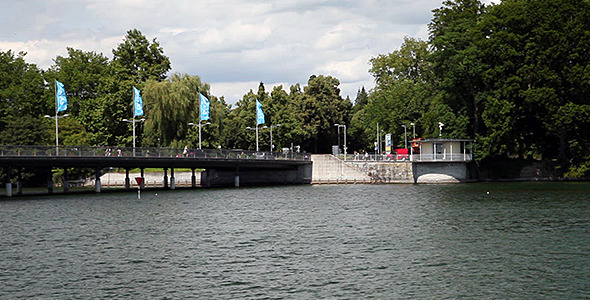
x=442 y=150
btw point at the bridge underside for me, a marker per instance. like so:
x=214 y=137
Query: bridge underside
x=256 y=177
x=218 y=172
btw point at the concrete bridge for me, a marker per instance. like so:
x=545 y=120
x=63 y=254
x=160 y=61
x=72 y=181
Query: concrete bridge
x=222 y=167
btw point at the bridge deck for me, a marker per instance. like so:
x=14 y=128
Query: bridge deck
x=103 y=157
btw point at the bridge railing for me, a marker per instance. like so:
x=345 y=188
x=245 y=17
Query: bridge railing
x=126 y=152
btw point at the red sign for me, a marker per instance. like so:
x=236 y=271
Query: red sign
x=138 y=180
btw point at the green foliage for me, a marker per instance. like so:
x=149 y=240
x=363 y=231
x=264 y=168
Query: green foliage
x=25 y=130
x=23 y=93
x=171 y=105
x=83 y=73
x=139 y=60
x=322 y=107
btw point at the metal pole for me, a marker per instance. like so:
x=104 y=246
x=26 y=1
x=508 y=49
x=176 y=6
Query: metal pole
x=405 y=137
x=200 y=135
x=256 y=136
x=378 y=142
x=56 y=124
x=344 y=142
x=133 y=135
x=56 y=134
x=271 y=138
x=337 y=125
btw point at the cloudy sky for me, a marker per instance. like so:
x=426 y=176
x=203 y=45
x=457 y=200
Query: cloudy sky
x=231 y=44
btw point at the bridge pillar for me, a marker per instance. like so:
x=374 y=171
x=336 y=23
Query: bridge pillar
x=142 y=185
x=193 y=179
x=50 y=182
x=127 y=181
x=165 y=178
x=237 y=178
x=66 y=183
x=172 y=184
x=97 y=181
x=19 y=182
x=8 y=183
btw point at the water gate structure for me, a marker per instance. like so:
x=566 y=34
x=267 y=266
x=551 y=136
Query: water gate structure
x=221 y=167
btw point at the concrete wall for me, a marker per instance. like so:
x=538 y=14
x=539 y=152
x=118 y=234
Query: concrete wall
x=440 y=172
x=385 y=171
x=328 y=168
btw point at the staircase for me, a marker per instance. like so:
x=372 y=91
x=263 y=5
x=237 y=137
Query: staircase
x=329 y=169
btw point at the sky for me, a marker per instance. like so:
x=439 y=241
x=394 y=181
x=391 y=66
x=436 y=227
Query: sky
x=232 y=45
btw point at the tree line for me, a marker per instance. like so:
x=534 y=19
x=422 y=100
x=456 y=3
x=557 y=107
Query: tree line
x=513 y=76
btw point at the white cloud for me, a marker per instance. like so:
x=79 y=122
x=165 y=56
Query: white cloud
x=232 y=45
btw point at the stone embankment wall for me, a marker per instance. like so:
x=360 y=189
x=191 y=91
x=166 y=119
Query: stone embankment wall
x=329 y=169
x=394 y=172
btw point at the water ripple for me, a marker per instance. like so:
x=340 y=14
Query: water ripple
x=304 y=242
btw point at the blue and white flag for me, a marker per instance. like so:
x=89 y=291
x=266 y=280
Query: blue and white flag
x=137 y=103
x=259 y=113
x=204 y=107
x=60 y=96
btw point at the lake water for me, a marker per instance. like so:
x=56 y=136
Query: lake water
x=519 y=241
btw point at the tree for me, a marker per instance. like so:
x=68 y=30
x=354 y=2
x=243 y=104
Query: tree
x=138 y=59
x=241 y=116
x=321 y=108
x=135 y=61
x=536 y=53
x=82 y=73
x=403 y=95
x=455 y=62
x=170 y=105
x=24 y=97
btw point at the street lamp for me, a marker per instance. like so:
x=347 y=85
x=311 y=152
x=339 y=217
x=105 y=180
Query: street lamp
x=405 y=136
x=250 y=128
x=271 y=127
x=341 y=125
x=200 y=126
x=56 y=130
x=338 y=126
x=440 y=126
x=133 y=121
x=413 y=129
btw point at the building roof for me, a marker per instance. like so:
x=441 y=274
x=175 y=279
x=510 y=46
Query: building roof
x=434 y=140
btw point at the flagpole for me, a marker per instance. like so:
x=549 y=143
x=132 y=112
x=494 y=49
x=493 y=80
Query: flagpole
x=133 y=134
x=56 y=123
x=256 y=136
x=200 y=126
x=200 y=119
x=133 y=101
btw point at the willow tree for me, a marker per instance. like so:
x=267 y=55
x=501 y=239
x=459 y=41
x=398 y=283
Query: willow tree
x=169 y=106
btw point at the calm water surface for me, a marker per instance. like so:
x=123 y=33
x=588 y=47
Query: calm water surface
x=520 y=241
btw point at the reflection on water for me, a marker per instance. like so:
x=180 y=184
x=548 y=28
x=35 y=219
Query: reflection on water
x=496 y=241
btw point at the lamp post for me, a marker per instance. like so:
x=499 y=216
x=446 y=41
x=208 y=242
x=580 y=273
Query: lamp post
x=271 y=127
x=200 y=126
x=56 y=130
x=250 y=128
x=338 y=126
x=341 y=125
x=440 y=126
x=405 y=137
x=133 y=121
x=413 y=130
